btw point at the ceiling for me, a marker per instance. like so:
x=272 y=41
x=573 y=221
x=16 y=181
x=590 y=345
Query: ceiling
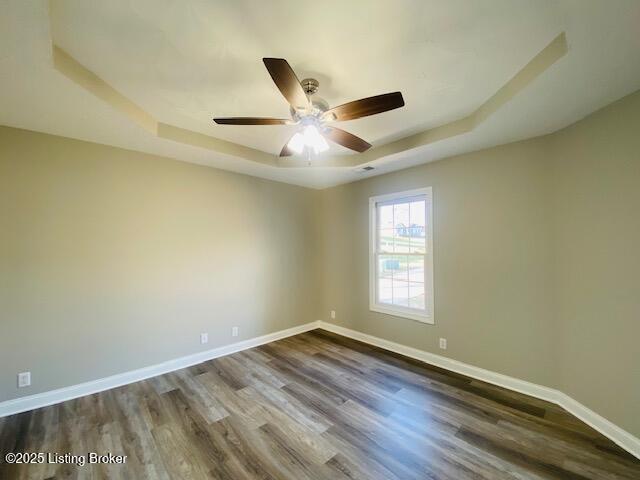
x=185 y=62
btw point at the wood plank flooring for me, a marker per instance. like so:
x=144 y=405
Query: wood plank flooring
x=314 y=406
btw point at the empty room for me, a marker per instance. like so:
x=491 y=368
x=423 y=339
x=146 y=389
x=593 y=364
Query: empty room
x=340 y=239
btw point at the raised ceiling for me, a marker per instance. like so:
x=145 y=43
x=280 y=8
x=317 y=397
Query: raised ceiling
x=185 y=62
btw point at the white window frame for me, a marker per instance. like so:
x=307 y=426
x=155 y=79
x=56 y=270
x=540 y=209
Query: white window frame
x=396 y=310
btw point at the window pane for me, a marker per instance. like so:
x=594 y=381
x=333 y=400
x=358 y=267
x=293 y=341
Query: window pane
x=401 y=215
x=402 y=270
x=385 y=240
x=385 y=219
x=416 y=269
x=385 y=294
x=418 y=240
x=417 y=213
x=387 y=264
x=402 y=241
x=416 y=295
x=416 y=230
x=401 y=293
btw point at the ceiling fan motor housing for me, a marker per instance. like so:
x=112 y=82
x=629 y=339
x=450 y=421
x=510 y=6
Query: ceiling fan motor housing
x=310 y=85
x=318 y=105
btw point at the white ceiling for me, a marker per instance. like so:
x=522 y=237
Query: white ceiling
x=185 y=62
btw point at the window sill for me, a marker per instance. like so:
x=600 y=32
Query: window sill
x=428 y=319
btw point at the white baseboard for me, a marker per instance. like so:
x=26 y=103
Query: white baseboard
x=52 y=397
x=609 y=429
x=616 y=434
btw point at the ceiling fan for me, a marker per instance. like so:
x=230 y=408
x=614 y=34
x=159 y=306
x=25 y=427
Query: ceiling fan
x=313 y=114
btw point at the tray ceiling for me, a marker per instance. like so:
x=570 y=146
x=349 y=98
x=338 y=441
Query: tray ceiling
x=185 y=62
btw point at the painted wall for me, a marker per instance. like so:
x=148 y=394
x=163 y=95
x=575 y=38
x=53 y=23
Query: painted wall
x=536 y=260
x=492 y=251
x=112 y=260
x=597 y=260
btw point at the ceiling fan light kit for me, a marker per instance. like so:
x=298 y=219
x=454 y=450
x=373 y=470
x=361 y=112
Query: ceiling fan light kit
x=310 y=138
x=312 y=114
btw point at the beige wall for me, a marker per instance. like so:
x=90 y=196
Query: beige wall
x=492 y=255
x=536 y=261
x=597 y=259
x=111 y=260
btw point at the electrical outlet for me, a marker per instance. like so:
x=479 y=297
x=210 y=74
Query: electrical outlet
x=204 y=338
x=333 y=314
x=235 y=331
x=443 y=343
x=24 y=379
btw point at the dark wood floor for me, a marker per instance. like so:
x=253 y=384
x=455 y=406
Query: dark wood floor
x=316 y=406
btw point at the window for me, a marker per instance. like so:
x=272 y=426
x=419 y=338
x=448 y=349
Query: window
x=401 y=255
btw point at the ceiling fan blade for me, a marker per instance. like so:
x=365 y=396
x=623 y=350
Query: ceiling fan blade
x=346 y=139
x=366 y=106
x=286 y=81
x=251 y=121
